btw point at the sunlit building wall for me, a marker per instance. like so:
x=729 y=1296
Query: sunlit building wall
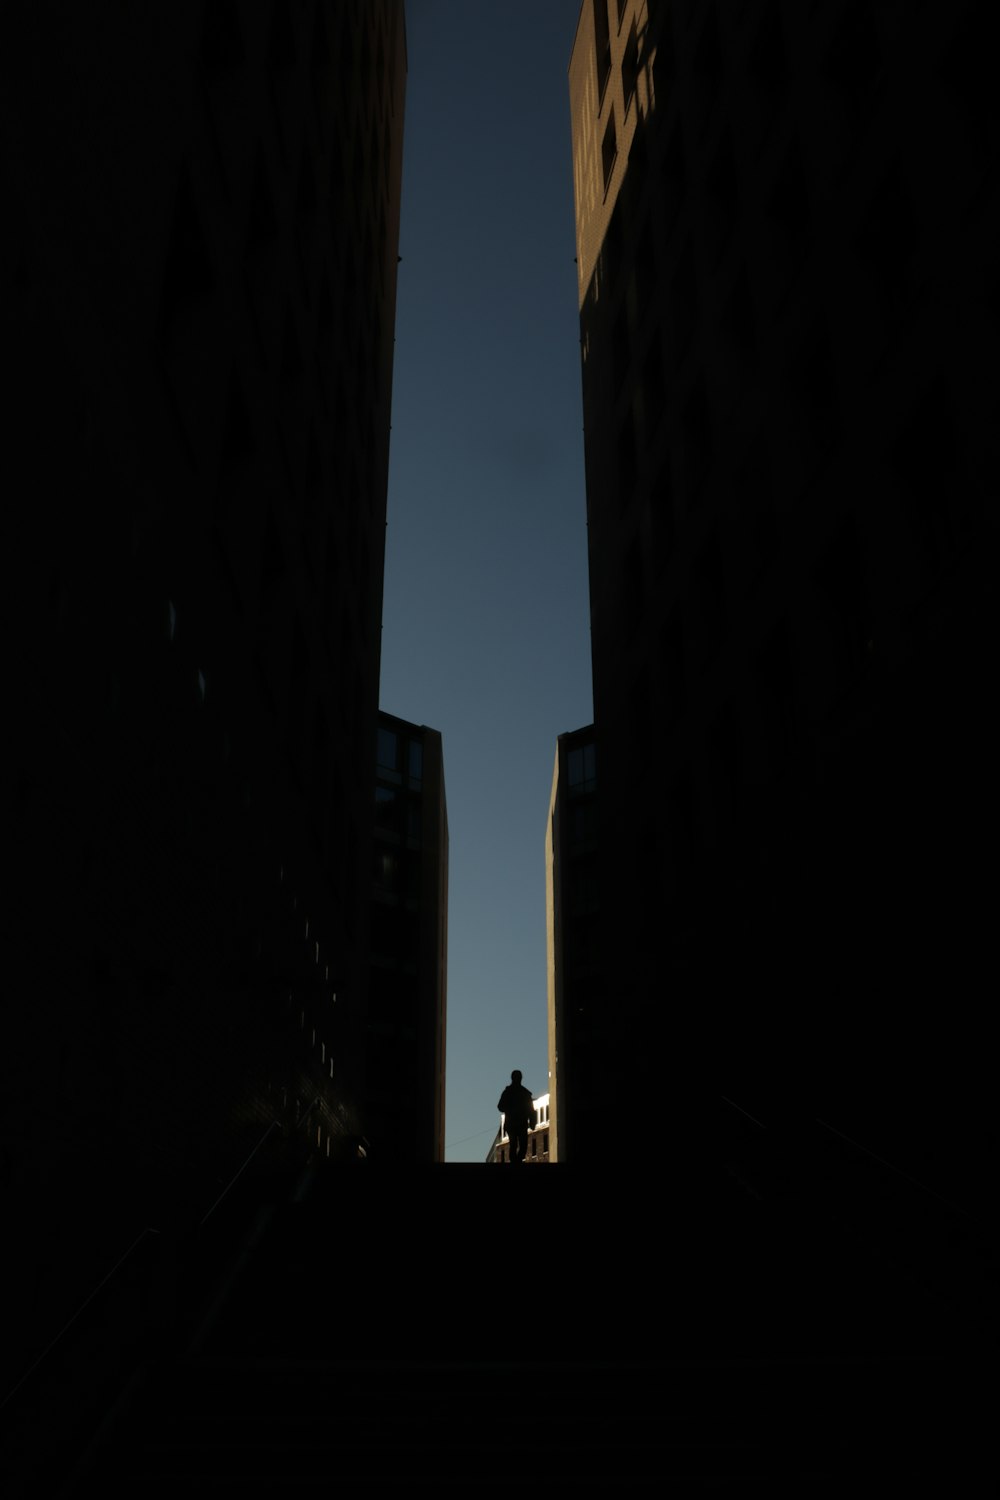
x=201 y=206
x=787 y=324
x=540 y=1139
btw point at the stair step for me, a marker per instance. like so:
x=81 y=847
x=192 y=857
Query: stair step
x=232 y=1421
x=674 y=1329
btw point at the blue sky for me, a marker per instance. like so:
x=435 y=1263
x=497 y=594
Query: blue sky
x=485 y=632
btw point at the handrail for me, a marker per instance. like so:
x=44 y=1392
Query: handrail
x=274 y=1125
x=83 y=1306
x=303 y=1117
x=898 y=1170
x=859 y=1146
x=732 y=1103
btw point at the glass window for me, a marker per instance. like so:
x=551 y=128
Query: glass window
x=582 y=765
x=387 y=810
x=583 y=826
x=386 y=871
x=630 y=65
x=416 y=761
x=388 y=750
x=602 y=44
x=609 y=149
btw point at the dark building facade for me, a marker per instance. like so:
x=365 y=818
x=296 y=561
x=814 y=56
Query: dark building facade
x=786 y=258
x=581 y=1022
x=202 y=215
x=407 y=1006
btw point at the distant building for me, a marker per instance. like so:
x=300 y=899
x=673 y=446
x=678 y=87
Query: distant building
x=201 y=208
x=788 y=336
x=539 y=1138
x=580 y=1027
x=407 y=1000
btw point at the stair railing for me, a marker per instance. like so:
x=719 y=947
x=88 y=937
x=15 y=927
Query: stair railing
x=891 y=1166
x=274 y=1125
x=37 y=1361
x=123 y=1259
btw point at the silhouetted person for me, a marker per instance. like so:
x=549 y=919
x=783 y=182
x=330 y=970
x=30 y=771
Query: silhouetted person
x=519 y=1115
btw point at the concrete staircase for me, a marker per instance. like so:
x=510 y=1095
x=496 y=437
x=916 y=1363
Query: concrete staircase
x=466 y=1326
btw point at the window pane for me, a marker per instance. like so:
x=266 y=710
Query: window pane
x=387 y=811
x=609 y=149
x=388 y=749
x=589 y=762
x=582 y=765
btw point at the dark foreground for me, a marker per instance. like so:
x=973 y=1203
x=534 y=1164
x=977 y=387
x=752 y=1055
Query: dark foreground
x=752 y=1322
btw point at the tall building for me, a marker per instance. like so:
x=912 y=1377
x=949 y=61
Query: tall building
x=202 y=215
x=407 y=1004
x=581 y=1021
x=787 y=313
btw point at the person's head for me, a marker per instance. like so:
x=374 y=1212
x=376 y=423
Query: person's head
x=515 y=1077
